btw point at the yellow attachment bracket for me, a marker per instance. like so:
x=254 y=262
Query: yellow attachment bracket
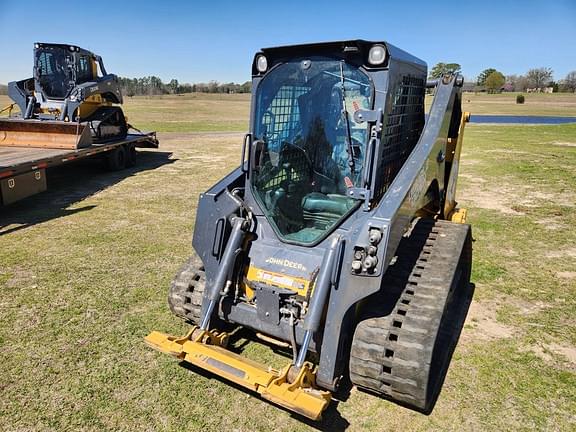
x=8 y=108
x=453 y=150
x=205 y=350
x=458 y=215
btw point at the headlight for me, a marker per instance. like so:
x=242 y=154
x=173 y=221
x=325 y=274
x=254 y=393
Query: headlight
x=377 y=55
x=261 y=64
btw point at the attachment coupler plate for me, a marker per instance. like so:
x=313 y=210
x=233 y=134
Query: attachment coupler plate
x=207 y=351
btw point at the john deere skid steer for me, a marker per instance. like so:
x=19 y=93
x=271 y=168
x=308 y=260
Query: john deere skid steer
x=338 y=235
x=70 y=102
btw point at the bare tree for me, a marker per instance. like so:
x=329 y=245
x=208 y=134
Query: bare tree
x=569 y=83
x=519 y=83
x=540 y=77
x=174 y=85
x=213 y=86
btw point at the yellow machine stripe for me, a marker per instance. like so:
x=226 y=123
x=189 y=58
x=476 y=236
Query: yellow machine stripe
x=453 y=149
x=279 y=280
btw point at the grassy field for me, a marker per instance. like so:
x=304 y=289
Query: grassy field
x=559 y=104
x=197 y=112
x=86 y=266
x=190 y=113
x=200 y=112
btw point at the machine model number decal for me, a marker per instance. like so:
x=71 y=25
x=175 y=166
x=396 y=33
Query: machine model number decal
x=286 y=263
x=296 y=284
x=279 y=280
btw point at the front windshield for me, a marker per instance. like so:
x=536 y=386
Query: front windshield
x=313 y=149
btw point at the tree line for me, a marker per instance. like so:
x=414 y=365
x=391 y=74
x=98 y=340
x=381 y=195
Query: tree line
x=492 y=80
x=152 y=85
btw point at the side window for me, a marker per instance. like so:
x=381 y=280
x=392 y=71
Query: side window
x=84 y=69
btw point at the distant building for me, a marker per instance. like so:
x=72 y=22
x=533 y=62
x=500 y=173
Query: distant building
x=540 y=90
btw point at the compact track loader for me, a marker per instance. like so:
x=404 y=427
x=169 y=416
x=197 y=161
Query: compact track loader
x=69 y=103
x=337 y=236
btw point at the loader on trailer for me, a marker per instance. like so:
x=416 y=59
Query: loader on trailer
x=68 y=111
x=337 y=235
x=70 y=102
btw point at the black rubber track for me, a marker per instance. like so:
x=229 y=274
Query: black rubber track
x=107 y=123
x=186 y=290
x=406 y=336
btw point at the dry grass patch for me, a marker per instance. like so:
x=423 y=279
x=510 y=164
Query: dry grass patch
x=556 y=104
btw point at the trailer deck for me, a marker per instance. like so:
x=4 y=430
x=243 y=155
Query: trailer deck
x=22 y=169
x=14 y=157
x=16 y=160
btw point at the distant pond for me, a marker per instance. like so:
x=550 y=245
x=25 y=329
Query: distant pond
x=514 y=119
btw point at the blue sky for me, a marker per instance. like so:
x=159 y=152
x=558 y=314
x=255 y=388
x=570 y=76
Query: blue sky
x=198 y=41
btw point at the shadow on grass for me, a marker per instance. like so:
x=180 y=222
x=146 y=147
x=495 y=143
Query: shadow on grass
x=71 y=184
x=332 y=420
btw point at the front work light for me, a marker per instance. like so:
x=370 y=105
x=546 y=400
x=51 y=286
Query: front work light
x=261 y=64
x=377 y=55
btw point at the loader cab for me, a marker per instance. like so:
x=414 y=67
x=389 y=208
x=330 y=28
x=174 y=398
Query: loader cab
x=308 y=149
x=58 y=69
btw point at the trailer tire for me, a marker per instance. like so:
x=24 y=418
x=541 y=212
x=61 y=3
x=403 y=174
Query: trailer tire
x=116 y=159
x=131 y=155
x=187 y=289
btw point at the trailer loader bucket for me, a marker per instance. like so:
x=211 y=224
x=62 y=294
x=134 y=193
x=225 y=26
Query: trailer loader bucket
x=207 y=350
x=44 y=134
